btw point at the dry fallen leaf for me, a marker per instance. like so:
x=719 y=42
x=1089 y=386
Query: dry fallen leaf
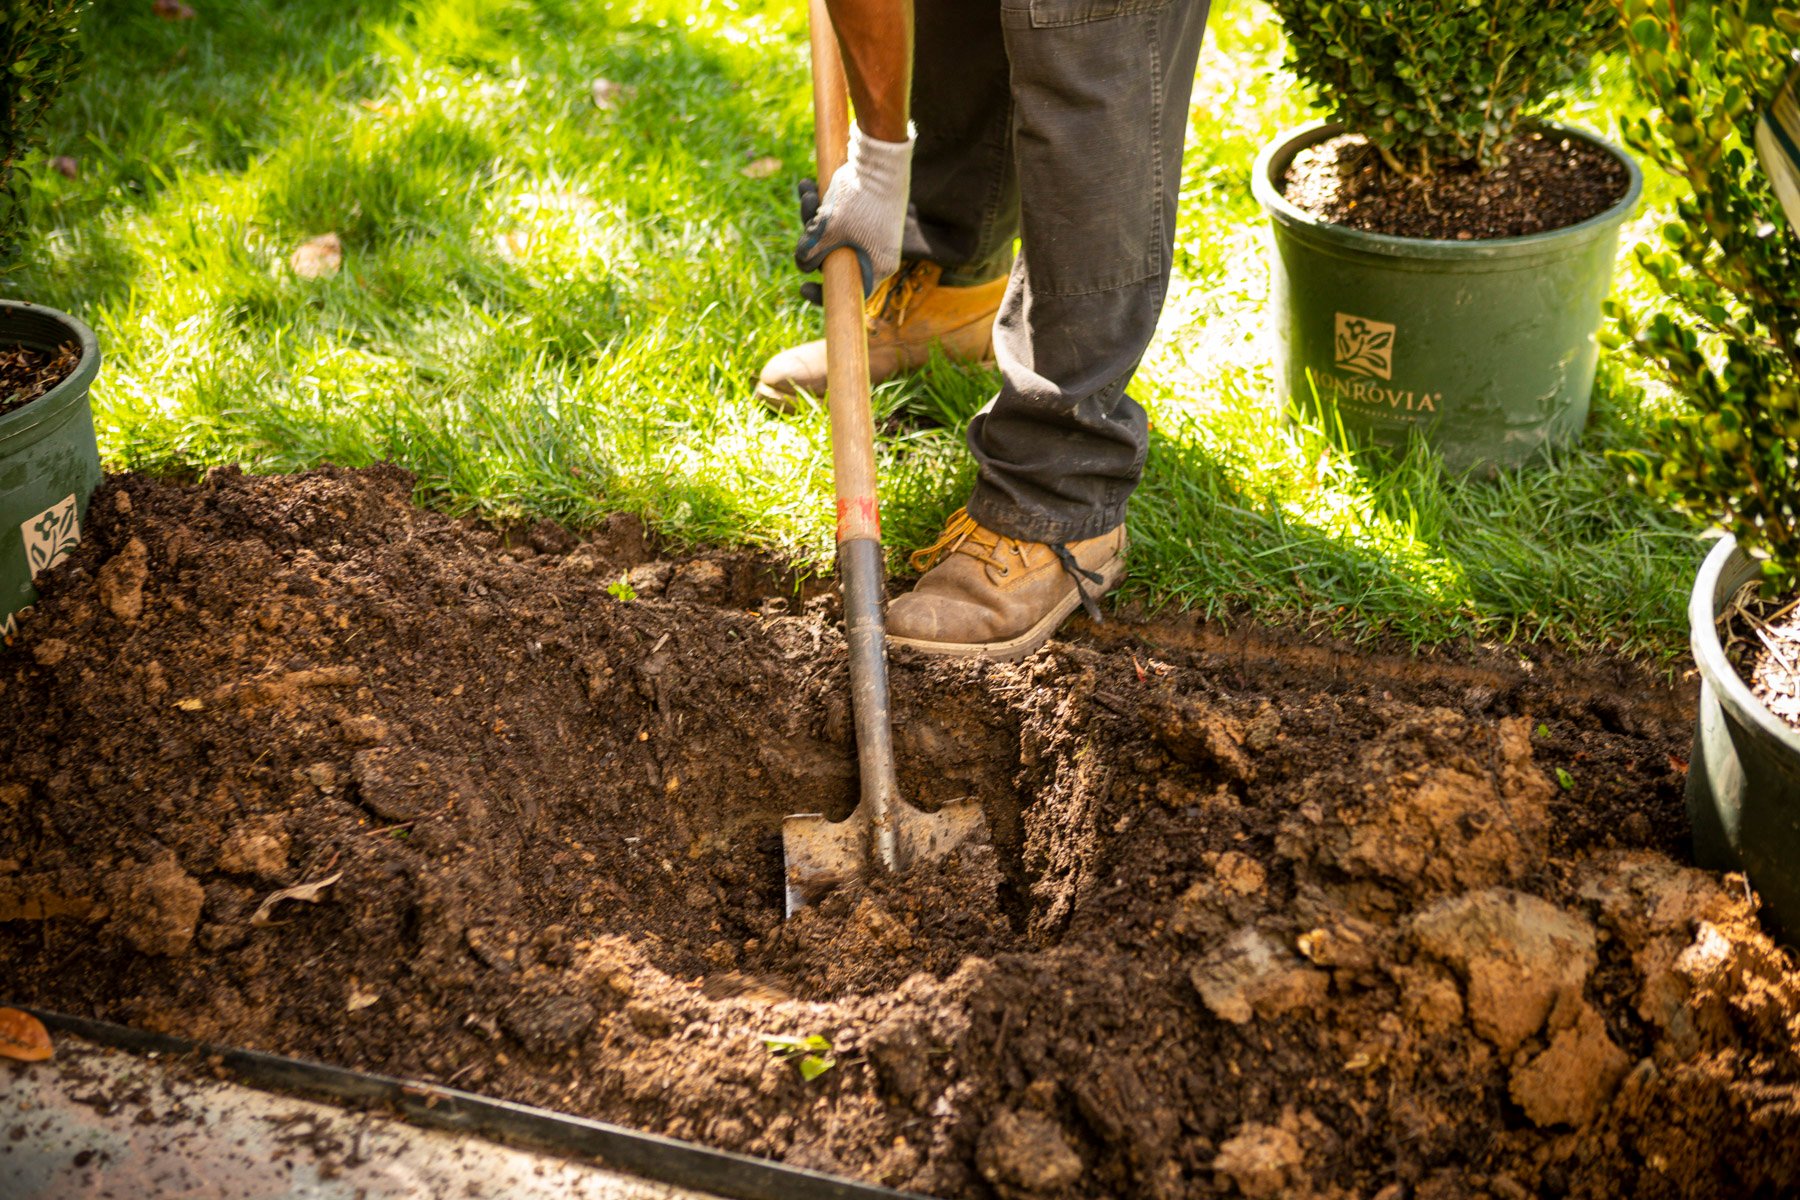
x=310 y=893
x=172 y=10
x=762 y=168
x=68 y=168
x=318 y=258
x=191 y=704
x=23 y=1036
x=608 y=95
x=360 y=998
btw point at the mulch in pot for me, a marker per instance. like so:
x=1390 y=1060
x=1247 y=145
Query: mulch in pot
x=27 y=373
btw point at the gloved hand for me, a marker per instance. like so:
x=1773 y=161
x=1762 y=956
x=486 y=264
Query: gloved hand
x=864 y=208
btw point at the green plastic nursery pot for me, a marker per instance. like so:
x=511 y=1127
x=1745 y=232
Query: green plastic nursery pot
x=1743 y=788
x=1487 y=348
x=49 y=461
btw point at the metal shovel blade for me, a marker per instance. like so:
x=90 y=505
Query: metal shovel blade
x=823 y=854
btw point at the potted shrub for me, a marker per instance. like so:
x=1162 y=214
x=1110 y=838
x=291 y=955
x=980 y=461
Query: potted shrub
x=49 y=462
x=1727 y=340
x=1441 y=253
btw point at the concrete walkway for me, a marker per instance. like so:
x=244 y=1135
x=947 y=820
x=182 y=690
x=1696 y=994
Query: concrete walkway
x=94 y=1122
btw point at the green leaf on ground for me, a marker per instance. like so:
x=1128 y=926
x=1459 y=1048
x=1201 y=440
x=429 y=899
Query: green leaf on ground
x=810 y=1055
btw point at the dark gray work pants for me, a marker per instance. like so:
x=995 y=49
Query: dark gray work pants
x=1059 y=122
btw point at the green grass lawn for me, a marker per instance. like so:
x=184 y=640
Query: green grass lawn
x=552 y=307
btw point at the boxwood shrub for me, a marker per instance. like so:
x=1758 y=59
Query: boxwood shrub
x=40 y=53
x=1727 y=335
x=1438 y=84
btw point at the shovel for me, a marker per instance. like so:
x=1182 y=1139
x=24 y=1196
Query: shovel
x=884 y=829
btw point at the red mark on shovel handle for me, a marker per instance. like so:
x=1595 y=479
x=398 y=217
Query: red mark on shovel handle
x=857 y=517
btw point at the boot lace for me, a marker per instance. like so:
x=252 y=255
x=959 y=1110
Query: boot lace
x=964 y=535
x=894 y=295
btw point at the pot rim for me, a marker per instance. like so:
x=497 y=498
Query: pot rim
x=22 y=422
x=1289 y=143
x=1733 y=694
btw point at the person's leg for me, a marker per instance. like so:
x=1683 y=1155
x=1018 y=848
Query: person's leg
x=1100 y=93
x=1099 y=96
x=964 y=214
x=965 y=187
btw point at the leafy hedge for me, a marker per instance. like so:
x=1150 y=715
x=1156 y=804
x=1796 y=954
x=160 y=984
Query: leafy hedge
x=1728 y=337
x=1434 y=84
x=41 y=53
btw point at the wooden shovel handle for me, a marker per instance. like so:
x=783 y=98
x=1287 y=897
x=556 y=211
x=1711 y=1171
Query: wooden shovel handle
x=846 y=336
x=860 y=565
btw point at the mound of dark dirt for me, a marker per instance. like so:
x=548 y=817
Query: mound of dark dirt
x=1263 y=917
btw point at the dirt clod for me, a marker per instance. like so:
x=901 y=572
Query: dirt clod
x=549 y=1024
x=1203 y=734
x=1253 y=975
x=1026 y=1153
x=698 y=582
x=547 y=537
x=1436 y=803
x=50 y=651
x=157 y=907
x=1573 y=1078
x=1264 y=1161
x=1516 y=954
x=122 y=581
x=258 y=847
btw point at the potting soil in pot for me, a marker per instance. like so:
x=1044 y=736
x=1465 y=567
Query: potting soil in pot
x=1547 y=182
x=288 y=763
x=27 y=373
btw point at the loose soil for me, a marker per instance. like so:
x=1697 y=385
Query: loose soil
x=1548 y=182
x=27 y=373
x=1264 y=916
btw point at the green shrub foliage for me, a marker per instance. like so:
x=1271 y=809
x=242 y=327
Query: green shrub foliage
x=41 y=53
x=1435 y=84
x=1727 y=337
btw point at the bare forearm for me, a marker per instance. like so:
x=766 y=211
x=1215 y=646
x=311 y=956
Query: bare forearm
x=877 y=40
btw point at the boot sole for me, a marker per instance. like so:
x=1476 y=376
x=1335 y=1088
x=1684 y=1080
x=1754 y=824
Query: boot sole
x=1026 y=643
x=784 y=403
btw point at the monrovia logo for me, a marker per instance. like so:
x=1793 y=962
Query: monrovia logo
x=1342 y=389
x=51 y=535
x=1365 y=347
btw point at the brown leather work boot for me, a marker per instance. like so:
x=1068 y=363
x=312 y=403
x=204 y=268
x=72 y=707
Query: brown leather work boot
x=990 y=596
x=908 y=313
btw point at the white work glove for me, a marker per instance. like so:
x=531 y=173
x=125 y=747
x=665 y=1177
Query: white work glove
x=864 y=208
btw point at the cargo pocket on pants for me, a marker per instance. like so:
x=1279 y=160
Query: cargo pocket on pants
x=1086 y=81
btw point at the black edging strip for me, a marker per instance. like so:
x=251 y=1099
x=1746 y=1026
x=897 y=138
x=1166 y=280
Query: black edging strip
x=645 y=1155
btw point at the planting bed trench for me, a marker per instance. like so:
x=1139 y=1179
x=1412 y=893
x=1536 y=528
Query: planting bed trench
x=1263 y=915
